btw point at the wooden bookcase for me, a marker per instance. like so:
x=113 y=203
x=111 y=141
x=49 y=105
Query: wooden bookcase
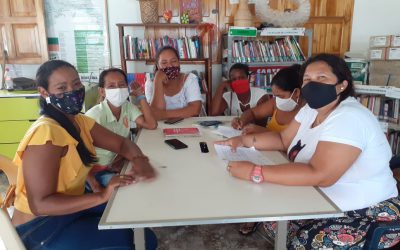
x=157 y=30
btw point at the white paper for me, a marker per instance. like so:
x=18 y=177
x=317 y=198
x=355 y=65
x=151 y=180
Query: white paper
x=227 y=131
x=242 y=154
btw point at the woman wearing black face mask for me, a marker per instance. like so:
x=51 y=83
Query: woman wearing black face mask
x=337 y=144
x=172 y=94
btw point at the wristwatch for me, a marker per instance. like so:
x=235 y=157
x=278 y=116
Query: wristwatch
x=256 y=174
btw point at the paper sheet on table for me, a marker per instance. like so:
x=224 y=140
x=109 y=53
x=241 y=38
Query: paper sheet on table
x=228 y=132
x=242 y=154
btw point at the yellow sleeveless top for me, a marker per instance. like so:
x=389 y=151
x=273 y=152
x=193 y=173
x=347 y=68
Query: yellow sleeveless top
x=72 y=172
x=273 y=124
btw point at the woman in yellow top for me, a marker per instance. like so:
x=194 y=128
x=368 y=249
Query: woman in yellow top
x=54 y=158
x=283 y=107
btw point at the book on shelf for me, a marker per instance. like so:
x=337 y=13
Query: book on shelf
x=385 y=109
x=189 y=131
x=146 y=48
x=283 y=49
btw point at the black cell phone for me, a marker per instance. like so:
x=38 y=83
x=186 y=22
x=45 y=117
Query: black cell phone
x=173 y=121
x=176 y=144
x=210 y=123
x=204 y=147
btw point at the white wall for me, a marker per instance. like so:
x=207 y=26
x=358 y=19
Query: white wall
x=372 y=18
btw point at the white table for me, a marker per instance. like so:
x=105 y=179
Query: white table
x=194 y=188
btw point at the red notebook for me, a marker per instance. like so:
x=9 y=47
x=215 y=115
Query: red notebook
x=181 y=132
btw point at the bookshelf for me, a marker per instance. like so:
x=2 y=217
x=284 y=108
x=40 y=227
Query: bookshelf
x=173 y=31
x=384 y=102
x=260 y=62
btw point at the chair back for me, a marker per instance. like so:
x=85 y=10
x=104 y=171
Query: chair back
x=10 y=170
x=9 y=238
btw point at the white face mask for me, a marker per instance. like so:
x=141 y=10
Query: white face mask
x=117 y=96
x=285 y=104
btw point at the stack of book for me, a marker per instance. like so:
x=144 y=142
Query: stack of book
x=385 y=109
x=146 y=48
x=285 y=49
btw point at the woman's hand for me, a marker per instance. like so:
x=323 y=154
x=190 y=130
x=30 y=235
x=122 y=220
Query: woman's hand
x=252 y=128
x=160 y=77
x=117 y=181
x=136 y=89
x=234 y=142
x=240 y=169
x=236 y=123
x=142 y=169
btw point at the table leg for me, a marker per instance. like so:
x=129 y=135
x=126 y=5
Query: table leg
x=139 y=239
x=281 y=235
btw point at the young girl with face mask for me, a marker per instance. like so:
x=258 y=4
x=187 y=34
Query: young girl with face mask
x=172 y=94
x=52 y=211
x=281 y=108
x=117 y=113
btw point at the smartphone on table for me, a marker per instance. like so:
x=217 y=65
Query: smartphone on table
x=176 y=144
x=173 y=120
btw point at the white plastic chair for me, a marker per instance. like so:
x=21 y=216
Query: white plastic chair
x=9 y=238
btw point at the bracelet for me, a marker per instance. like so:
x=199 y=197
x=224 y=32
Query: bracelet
x=140 y=157
x=139 y=98
x=257 y=174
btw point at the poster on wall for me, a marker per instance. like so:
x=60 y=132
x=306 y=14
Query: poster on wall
x=77 y=33
x=192 y=8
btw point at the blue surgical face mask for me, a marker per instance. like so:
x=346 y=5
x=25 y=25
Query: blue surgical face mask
x=69 y=102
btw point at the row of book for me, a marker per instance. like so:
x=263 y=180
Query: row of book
x=394 y=141
x=385 y=109
x=146 y=48
x=285 y=49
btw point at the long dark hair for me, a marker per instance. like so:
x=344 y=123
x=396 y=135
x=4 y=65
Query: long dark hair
x=288 y=79
x=42 y=78
x=339 y=69
x=104 y=73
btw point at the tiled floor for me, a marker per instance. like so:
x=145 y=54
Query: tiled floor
x=204 y=237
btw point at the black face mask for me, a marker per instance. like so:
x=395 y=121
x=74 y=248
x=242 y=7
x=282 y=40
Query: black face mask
x=318 y=94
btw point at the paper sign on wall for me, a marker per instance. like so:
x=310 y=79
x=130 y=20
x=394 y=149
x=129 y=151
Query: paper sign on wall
x=193 y=8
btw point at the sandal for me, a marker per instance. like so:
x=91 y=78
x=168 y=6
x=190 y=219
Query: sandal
x=248 y=228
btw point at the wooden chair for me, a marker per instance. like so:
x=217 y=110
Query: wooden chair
x=10 y=170
x=9 y=237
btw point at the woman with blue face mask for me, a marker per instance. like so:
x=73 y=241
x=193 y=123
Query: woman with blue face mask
x=336 y=144
x=54 y=158
x=281 y=108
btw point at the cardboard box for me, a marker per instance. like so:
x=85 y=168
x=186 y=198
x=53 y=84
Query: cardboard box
x=385 y=67
x=359 y=70
x=384 y=79
x=377 y=54
x=395 y=41
x=379 y=41
x=393 y=54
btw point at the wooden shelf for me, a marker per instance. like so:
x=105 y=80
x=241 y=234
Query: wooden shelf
x=181 y=61
x=159 y=25
x=206 y=62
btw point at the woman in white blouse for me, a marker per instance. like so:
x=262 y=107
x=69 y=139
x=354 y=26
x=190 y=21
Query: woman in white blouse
x=172 y=94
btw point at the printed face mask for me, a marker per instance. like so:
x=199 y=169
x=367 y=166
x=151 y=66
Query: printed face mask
x=240 y=86
x=117 y=96
x=287 y=104
x=70 y=102
x=319 y=94
x=172 y=72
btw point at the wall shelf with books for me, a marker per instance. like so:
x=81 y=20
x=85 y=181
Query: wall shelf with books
x=266 y=52
x=140 y=42
x=384 y=103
